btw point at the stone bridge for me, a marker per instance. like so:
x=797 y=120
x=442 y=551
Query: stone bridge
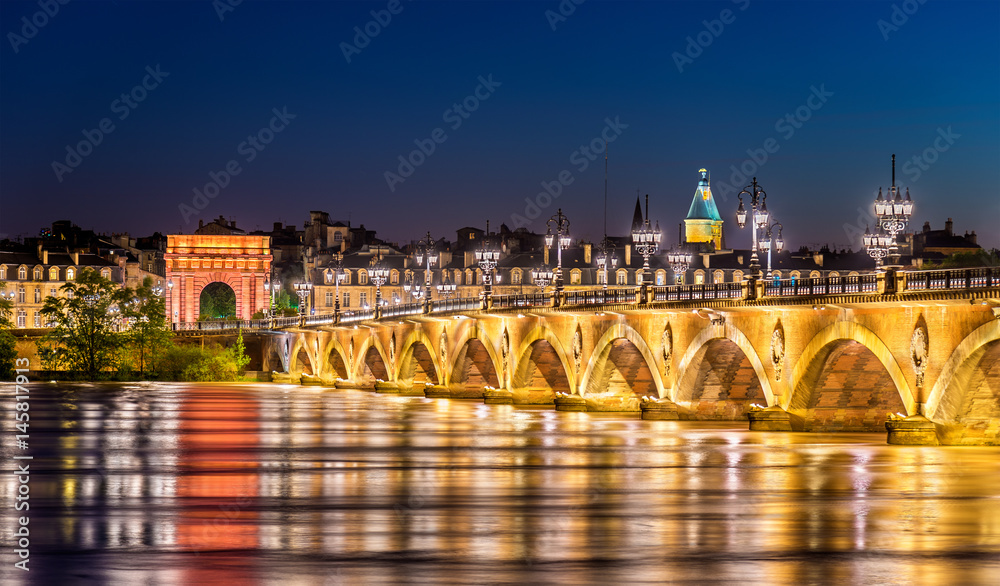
x=827 y=362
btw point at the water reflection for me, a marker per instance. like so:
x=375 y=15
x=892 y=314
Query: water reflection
x=159 y=484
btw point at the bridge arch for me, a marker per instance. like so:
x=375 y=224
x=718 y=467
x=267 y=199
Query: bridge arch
x=821 y=347
x=413 y=359
x=371 y=356
x=299 y=351
x=335 y=357
x=965 y=399
x=475 y=350
x=602 y=349
x=697 y=350
x=522 y=368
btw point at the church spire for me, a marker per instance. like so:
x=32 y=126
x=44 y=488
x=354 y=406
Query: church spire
x=637 y=216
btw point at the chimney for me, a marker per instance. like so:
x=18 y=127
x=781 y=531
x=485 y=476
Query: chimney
x=628 y=255
x=972 y=238
x=76 y=257
x=232 y=223
x=45 y=257
x=201 y=223
x=586 y=252
x=947 y=227
x=927 y=227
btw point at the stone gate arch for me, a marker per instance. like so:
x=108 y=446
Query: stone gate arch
x=522 y=357
x=406 y=355
x=193 y=261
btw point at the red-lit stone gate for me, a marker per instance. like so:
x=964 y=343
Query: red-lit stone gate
x=193 y=261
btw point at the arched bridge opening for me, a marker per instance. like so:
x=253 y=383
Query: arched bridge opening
x=719 y=383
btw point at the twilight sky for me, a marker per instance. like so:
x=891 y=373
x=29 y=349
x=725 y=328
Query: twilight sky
x=124 y=116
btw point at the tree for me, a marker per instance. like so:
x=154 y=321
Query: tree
x=83 y=321
x=146 y=314
x=8 y=353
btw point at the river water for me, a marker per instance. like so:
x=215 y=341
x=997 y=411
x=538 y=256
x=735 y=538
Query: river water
x=280 y=484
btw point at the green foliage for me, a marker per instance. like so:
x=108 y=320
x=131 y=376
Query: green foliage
x=213 y=363
x=84 y=323
x=8 y=353
x=217 y=301
x=257 y=315
x=147 y=333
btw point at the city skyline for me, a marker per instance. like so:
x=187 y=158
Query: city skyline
x=408 y=117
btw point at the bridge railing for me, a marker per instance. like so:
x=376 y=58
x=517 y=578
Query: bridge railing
x=523 y=300
x=976 y=278
x=600 y=296
x=403 y=309
x=356 y=316
x=867 y=283
x=700 y=291
x=318 y=319
x=459 y=304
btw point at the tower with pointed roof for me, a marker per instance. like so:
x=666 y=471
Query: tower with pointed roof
x=703 y=222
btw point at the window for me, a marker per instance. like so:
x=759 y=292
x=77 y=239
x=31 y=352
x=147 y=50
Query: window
x=834 y=274
x=106 y=273
x=22 y=318
x=347 y=299
x=53 y=292
x=338 y=237
x=458 y=277
x=70 y=274
x=394 y=277
x=3 y=273
x=37 y=274
x=54 y=274
x=362 y=279
x=622 y=277
x=737 y=276
x=38 y=294
x=661 y=278
x=515 y=276
x=601 y=277
x=69 y=294
x=20 y=295
x=814 y=275
x=22 y=274
x=38 y=320
x=468 y=277
x=364 y=299
x=328 y=276
x=719 y=277
x=346 y=279
x=575 y=276
x=776 y=276
x=699 y=277
x=329 y=298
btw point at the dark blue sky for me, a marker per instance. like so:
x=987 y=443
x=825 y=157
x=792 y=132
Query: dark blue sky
x=927 y=88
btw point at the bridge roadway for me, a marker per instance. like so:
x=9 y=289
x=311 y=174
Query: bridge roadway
x=831 y=354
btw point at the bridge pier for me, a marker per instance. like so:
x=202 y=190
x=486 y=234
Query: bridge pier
x=915 y=430
x=771 y=419
x=566 y=402
x=659 y=410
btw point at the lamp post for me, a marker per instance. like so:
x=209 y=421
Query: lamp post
x=680 y=262
x=893 y=212
x=758 y=204
x=542 y=277
x=425 y=251
x=302 y=290
x=275 y=291
x=171 y=312
x=561 y=239
x=487 y=257
x=878 y=245
x=606 y=258
x=766 y=243
x=646 y=240
x=446 y=288
x=338 y=276
x=379 y=275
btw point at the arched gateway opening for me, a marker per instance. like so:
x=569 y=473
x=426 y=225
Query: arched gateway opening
x=217 y=301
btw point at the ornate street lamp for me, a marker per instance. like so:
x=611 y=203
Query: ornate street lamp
x=680 y=262
x=171 y=312
x=759 y=206
x=302 y=290
x=893 y=212
x=410 y=287
x=425 y=251
x=647 y=241
x=379 y=275
x=447 y=288
x=561 y=239
x=878 y=245
x=487 y=256
x=769 y=238
x=542 y=277
x=606 y=259
x=338 y=277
